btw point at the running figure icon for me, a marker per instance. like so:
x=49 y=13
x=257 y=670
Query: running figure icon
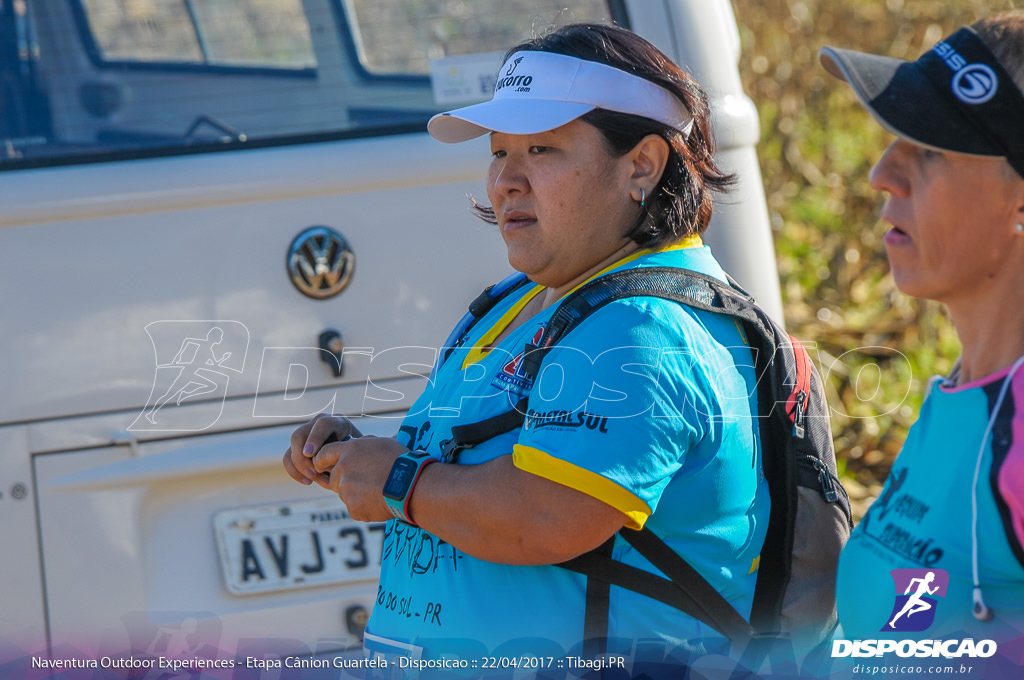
x=914 y=603
x=193 y=379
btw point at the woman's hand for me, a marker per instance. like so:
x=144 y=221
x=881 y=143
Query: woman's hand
x=356 y=470
x=308 y=440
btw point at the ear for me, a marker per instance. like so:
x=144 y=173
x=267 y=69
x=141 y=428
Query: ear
x=1019 y=215
x=647 y=164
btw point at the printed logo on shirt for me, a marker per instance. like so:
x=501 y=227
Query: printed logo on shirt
x=917 y=591
x=568 y=420
x=896 y=519
x=512 y=376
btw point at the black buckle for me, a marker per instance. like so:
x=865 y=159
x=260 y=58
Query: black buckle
x=450 y=450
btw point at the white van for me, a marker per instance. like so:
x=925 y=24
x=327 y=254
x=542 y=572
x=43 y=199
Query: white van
x=217 y=220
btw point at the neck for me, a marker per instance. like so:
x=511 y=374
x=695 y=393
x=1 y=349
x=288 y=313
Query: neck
x=992 y=339
x=552 y=295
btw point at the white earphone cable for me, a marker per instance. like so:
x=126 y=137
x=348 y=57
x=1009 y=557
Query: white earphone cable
x=982 y=612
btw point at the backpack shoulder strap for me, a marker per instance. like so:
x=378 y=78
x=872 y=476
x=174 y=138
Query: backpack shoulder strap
x=684 y=286
x=687 y=590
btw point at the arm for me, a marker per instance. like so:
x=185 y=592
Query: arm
x=568 y=489
x=517 y=517
x=491 y=511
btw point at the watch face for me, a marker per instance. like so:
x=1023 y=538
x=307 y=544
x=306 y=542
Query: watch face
x=400 y=479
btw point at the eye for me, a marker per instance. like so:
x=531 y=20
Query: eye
x=539 y=149
x=930 y=154
x=498 y=153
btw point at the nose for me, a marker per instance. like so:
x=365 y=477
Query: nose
x=507 y=176
x=888 y=173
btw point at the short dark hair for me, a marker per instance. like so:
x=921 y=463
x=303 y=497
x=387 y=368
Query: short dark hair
x=1003 y=33
x=681 y=204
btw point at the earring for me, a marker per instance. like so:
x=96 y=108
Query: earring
x=1020 y=228
x=643 y=200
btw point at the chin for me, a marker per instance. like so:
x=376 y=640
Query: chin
x=903 y=277
x=521 y=262
x=914 y=287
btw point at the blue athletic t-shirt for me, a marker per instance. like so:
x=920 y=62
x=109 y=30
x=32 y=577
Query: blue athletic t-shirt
x=647 y=406
x=922 y=522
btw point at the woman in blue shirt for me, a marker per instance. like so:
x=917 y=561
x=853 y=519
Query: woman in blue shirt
x=601 y=159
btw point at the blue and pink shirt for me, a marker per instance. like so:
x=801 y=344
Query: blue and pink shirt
x=923 y=518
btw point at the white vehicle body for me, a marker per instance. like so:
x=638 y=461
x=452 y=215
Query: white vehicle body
x=155 y=354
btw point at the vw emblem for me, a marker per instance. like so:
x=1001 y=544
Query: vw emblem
x=320 y=262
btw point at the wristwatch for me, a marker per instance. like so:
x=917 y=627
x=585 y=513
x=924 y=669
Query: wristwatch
x=402 y=480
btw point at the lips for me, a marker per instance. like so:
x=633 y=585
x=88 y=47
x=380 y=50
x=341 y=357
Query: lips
x=896 y=236
x=517 y=219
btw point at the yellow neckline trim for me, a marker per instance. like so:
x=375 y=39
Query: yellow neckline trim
x=483 y=345
x=688 y=242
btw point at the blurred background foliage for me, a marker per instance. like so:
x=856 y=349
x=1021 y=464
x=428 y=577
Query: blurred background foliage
x=876 y=346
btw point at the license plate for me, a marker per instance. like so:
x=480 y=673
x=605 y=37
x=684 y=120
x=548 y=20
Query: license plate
x=295 y=545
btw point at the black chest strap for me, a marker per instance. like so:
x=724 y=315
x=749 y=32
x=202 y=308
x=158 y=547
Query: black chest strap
x=469 y=435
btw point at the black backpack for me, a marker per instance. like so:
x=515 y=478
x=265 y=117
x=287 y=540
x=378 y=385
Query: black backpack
x=810 y=518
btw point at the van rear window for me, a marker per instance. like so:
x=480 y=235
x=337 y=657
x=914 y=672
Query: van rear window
x=97 y=80
x=400 y=36
x=270 y=33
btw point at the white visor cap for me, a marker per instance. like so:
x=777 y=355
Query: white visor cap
x=539 y=91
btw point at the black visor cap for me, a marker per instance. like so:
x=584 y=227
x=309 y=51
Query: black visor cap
x=956 y=97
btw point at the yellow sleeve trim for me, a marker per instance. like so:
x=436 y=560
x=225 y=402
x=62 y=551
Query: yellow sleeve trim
x=537 y=462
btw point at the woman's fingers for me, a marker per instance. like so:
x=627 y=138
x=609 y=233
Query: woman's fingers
x=308 y=440
x=294 y=472
x=327 y=429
